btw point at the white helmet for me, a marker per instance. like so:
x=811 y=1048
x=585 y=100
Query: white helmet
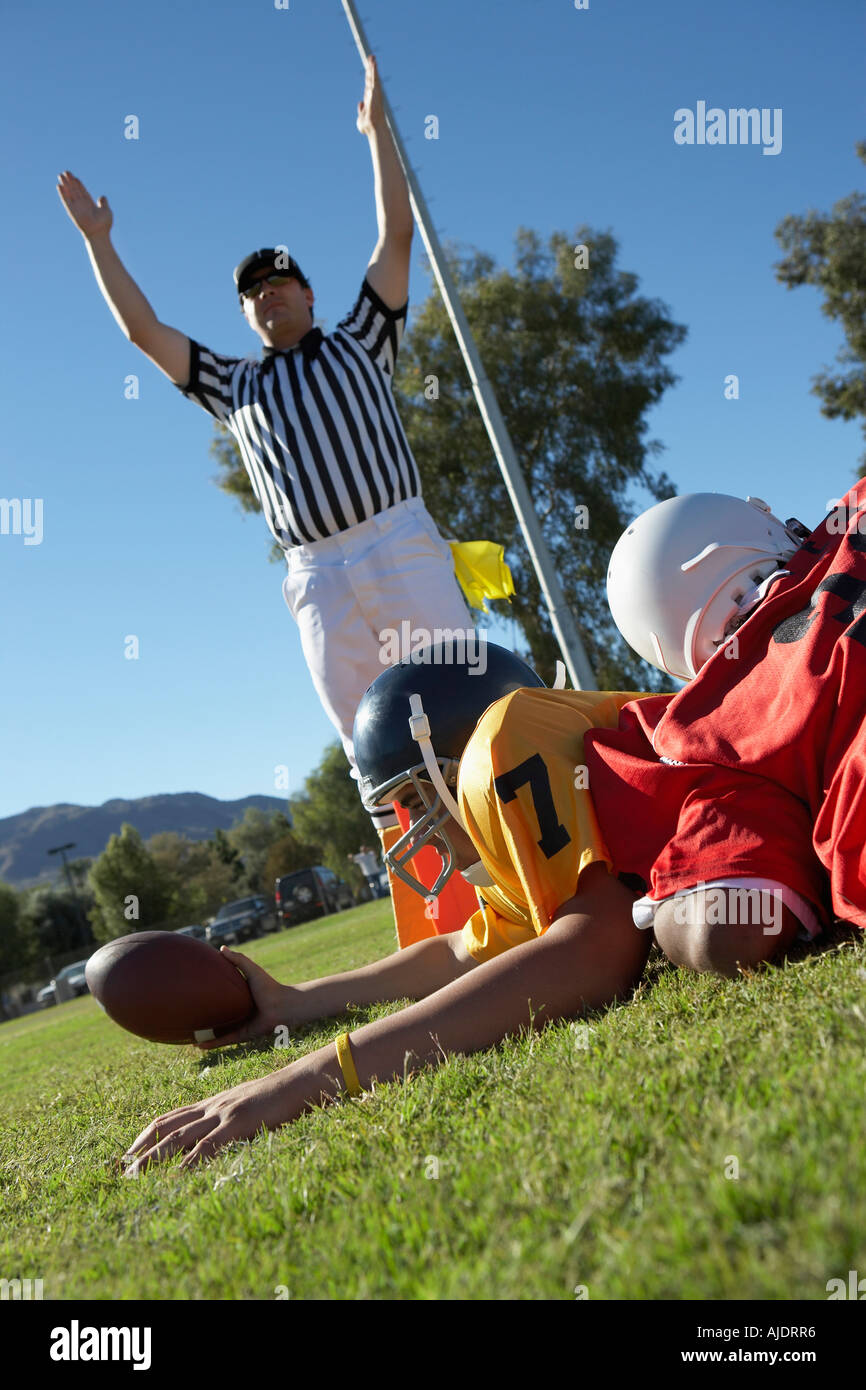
x=683 y=571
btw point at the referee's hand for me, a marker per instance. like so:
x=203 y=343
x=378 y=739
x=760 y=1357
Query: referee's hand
x=91 y=219
x=371 y=112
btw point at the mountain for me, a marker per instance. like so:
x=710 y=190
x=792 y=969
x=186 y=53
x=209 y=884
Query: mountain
x=26 y=838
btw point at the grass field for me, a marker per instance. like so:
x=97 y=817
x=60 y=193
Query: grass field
x=602 y=1155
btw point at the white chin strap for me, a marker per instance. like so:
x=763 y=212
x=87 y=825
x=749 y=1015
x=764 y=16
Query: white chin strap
x=758 y=592
x=419 y=727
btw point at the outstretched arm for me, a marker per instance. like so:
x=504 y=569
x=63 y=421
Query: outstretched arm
x=590 y=955
x=412 y=973
x=388 y=271
x=165 y=346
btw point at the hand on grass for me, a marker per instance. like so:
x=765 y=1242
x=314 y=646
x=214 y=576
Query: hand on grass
x=273 y=1003
x=201 y=1129
x=91 y=219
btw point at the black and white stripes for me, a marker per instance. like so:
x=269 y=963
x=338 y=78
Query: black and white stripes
x=316 y=425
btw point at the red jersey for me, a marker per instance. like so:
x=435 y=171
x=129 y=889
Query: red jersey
x=758 y=766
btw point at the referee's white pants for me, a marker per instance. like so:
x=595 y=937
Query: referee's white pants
x=345 y=591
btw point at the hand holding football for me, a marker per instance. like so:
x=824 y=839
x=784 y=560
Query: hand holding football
x=169 y=988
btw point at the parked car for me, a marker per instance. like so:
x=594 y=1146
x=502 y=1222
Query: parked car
x=69 y=982
x=242 y=920
x=46 y=997
x=200 y=933
x=310 y=893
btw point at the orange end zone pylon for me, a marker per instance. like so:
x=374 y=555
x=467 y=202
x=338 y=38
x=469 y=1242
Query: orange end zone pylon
x=414 y=918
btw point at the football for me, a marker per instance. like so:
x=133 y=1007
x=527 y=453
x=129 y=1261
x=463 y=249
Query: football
x=169 y=988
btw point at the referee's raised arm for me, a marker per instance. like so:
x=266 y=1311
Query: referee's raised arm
x=165 y=346
x=388 y=271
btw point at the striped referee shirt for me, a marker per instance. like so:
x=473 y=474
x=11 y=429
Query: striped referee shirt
x=316 y=424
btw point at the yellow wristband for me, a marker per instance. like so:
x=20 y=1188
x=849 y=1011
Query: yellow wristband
x=347 y=1065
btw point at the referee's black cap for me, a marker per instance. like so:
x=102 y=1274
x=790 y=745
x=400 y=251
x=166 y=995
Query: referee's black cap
x=274 y=258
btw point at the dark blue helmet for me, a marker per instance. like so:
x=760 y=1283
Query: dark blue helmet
x=398 y=749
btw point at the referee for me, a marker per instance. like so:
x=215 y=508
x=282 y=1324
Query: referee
x=318 y=432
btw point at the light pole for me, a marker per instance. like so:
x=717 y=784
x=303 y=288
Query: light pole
x=73 y=891
x=61 y=849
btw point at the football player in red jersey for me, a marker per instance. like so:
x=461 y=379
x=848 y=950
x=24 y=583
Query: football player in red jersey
x=754 y=772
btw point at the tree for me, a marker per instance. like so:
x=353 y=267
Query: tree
x=15 y=946
x=829 y=252
x=55 y=921
x=329 y=811
x=286 y=856
x=78 y=871
x=575 y=357
x=253 y=837
x=225 y=853
x=196 y=880
x=131 y=892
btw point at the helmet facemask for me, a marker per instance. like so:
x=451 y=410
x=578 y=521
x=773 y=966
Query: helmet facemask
x=431 y=826
x=728 y=609
x=394 y=751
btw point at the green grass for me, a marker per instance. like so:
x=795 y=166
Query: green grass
x=560 y=1164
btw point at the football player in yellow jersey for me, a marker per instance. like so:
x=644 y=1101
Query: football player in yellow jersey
x=553 y=934
x=523 y=800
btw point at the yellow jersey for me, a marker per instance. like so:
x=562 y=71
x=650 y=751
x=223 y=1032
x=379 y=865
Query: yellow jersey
x=524 y=797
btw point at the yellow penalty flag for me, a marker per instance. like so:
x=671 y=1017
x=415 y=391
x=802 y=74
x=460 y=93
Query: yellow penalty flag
x=481 y=571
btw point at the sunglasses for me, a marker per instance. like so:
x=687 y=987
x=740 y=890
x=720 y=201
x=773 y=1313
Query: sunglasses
x=255 y=290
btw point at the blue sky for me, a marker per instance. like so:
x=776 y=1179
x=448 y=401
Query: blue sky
x=549 y=117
